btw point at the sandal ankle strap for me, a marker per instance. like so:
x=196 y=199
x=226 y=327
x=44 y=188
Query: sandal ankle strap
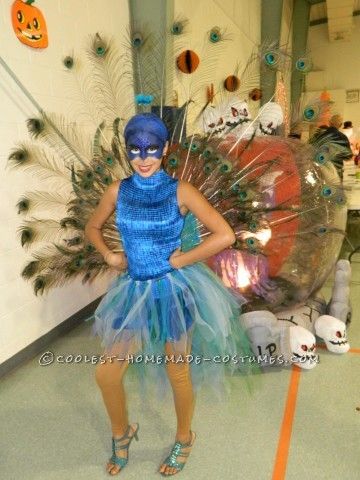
x=124 y=437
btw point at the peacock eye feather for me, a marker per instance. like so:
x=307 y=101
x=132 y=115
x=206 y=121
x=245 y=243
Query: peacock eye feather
x=215 y=35
x=89 y=248
x=23 y=205
x=253 y=226
x=177 y=28
x=88 y=175
x=173 y=161
x=208 y=167
x=226 y=166
x=208 y=152
x=196 y=146
x=137 y=40
x=219 y=159
x=322 y=230
x=340 y=200
x=107 y=179
x=26 y=236
x=303 y=65
x=39 y=285
x=271 y=59
x=309 y=113
x=253 y=245
x=86 y=185
x=185 y=144
x=99 y=46
x=35 y=126
x=326 y=191
x=68 y=62
x=99 y=169
x=109 y=161
x=243 y=195
x=86 y=277
x=78 y=262
x=30 y=269
x=322 y=157
x=19 y=156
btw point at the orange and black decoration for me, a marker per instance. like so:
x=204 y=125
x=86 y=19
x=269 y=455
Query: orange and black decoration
x=231 y=83
x=188 y=61
x=255 y=94
x=29 y=24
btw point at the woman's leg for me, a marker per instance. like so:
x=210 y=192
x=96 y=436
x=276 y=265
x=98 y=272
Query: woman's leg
x=179 y=375
x=109 y=377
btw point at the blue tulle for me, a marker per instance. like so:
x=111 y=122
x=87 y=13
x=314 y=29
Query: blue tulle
x=191 y=309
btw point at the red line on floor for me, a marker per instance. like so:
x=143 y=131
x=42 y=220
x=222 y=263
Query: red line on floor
x=286 y=427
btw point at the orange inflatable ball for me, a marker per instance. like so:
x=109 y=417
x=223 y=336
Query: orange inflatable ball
x=255 y=94
x=29 y=24
x=188 y=61
x=231 y=83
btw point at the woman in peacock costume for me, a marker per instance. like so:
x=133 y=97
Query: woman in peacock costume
x=160 y=223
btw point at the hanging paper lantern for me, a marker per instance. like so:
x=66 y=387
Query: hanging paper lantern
x=231 y=83
x=29 y=24
x=188 y=61
x=255 y=94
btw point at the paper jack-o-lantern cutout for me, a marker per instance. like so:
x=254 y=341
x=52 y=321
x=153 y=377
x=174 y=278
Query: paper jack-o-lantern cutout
x=29 y=24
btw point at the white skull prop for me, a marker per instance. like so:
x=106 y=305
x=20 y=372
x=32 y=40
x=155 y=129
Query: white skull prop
x=270 y=118
x=213 y=120
x=303 y=350
x=333 y=332
x=226 y=116
x=236 y=112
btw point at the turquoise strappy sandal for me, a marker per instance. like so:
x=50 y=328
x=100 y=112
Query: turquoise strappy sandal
x=122 y=461
x=176 y=451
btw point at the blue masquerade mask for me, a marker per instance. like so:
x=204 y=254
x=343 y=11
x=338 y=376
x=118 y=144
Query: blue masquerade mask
x=143 y=145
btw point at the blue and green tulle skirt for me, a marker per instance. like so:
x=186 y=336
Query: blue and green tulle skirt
x=191 y=311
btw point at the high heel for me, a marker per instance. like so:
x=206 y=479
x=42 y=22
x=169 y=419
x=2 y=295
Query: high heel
x=122 y=461
x=176 y=451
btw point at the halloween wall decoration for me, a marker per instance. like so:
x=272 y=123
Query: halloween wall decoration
x=29 y=24
x=231 y=83
x=255 y=94
x=188 y=61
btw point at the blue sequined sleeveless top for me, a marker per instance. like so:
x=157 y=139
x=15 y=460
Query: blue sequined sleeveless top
x=150 y=223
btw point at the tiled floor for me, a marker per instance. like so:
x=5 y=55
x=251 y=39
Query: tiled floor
x=295 y=425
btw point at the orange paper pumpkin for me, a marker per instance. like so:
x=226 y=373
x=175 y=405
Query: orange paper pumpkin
x=29 y=24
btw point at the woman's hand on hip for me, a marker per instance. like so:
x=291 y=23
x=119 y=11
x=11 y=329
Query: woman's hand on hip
x=116 y=260
x=174 y=260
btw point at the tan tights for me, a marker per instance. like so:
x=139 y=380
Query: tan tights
x=109 y=377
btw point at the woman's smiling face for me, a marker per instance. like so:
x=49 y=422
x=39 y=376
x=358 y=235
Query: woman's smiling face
x=145 y=151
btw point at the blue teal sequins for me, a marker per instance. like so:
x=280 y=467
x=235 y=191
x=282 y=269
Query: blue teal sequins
x=150 y=223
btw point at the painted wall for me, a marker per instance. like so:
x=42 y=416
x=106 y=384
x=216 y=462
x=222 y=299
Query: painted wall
x=24 y=317
x=240 y=22
x=339 y=66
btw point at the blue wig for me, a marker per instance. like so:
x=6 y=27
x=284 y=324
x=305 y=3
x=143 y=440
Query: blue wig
x=147 y=123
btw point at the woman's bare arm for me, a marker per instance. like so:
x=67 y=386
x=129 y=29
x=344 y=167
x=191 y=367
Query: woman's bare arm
x=222 y=235
x=101 y=214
